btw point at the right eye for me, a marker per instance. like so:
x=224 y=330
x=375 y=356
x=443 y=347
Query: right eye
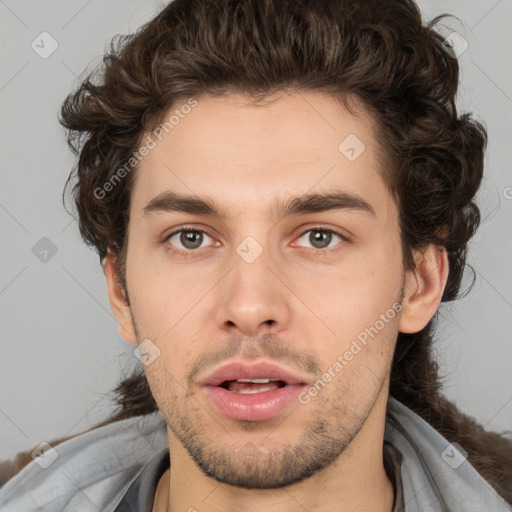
x=186 y=240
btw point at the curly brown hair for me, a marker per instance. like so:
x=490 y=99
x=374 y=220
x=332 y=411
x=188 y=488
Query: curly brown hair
x=377 y=51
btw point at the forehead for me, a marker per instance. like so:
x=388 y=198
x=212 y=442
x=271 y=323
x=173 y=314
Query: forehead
x=227 y=147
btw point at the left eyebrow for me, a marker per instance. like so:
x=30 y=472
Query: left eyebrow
x=307 y=203
x=321 y=202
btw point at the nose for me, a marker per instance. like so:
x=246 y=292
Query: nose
x=254 y=297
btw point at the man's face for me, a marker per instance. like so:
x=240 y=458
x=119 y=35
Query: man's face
x=299 y=292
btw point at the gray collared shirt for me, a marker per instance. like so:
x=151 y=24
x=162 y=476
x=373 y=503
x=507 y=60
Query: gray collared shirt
x=119 y=465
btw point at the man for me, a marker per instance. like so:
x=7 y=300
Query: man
x=281 y=194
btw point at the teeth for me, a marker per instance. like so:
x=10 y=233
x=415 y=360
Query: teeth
x=253 y=391
x=255 y=381
x=251 y=386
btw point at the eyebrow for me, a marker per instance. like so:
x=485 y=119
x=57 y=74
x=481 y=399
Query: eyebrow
x=307 y=203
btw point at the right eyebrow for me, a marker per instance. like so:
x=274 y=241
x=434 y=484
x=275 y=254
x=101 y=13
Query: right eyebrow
x=173 y=202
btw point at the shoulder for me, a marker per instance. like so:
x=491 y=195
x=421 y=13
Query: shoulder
x=95 y=467
x=435 y=471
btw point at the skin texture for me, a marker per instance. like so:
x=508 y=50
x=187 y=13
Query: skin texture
x=292 y=305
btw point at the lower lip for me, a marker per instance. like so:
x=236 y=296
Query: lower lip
x=254 y=406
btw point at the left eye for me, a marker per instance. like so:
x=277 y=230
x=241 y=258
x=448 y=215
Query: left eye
x=190 y=239
x=320 y=238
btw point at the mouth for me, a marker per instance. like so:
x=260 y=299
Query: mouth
x=252 y=392
x=251 y=386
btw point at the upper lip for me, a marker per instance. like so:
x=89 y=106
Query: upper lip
x=236 y=370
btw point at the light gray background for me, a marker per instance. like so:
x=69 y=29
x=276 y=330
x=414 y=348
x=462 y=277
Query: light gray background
x=61 y=352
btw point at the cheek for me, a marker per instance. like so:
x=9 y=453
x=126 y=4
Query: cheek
x=360 y=315
x=349 y=303
x=162 y=299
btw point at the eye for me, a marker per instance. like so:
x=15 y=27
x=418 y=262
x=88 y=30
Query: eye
x=185 y=241
x=190 y=239
x=321 y=238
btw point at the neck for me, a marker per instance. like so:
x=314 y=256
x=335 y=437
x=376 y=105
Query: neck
x=356 y=481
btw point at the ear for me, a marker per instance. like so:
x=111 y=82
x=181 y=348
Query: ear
x=118 y=302
x=424 y=287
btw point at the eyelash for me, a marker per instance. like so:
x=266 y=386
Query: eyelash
x=190 y=253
